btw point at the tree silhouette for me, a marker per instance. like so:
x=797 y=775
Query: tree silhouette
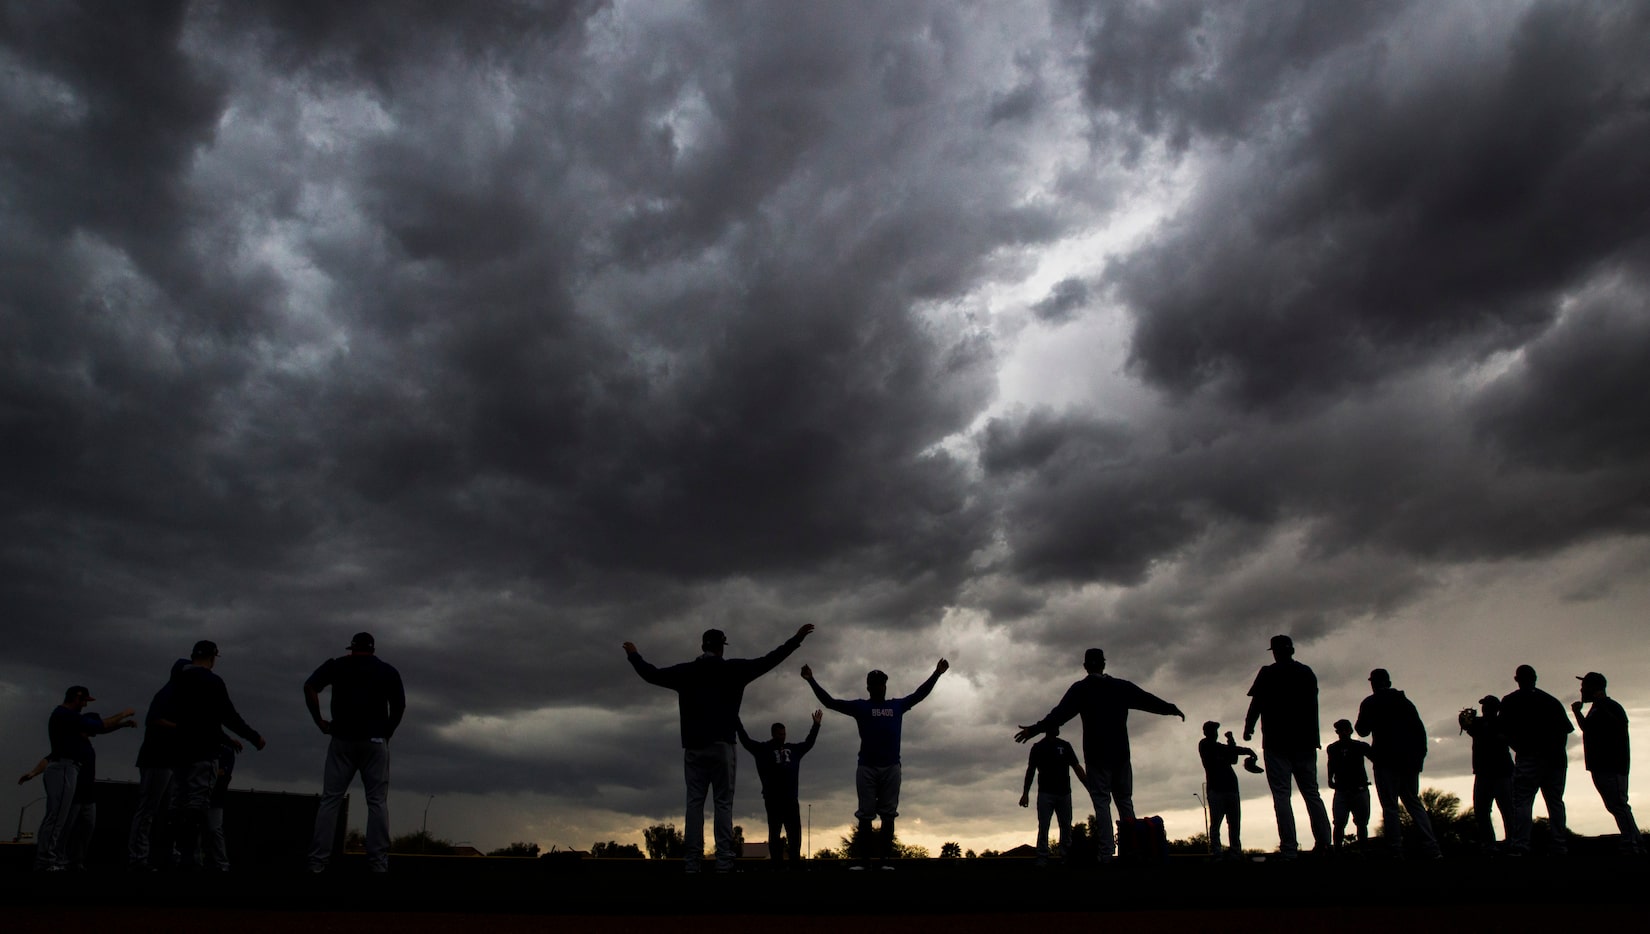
x=950 y=850
x=615 y=850
x=529 y=850
x=849 y=847
x=1195 y=845
x=420 y=841
x=664 y=841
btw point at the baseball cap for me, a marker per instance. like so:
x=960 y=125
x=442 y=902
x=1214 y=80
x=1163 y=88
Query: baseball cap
x=1489 y=699
x=1592 y=679
x=205 y=648
x=360 y=642
x=1379 y=674
x=1281 y=642
x=713 y=637
x=78 y=691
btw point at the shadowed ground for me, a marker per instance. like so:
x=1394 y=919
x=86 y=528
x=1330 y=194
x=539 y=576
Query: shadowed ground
x=955 y=896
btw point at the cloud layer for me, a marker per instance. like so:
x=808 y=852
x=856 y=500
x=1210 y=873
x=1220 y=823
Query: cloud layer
x=509 y=332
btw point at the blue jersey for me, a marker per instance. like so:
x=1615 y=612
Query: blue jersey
x=879 y=720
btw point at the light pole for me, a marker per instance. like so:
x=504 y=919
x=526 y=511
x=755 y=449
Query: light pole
x=424 y=829
x=810 y=830
x=19 y=837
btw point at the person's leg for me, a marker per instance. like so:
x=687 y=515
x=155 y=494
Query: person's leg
x=336 y=773
x=696 y=774
x=59 y=781
x=1122 y=790
x=1062 y=814
x=1409 y=792
x=775 y=810
x=1278 y=772
x=888 y=787
x=1234 y=821
x=1612 y=789
x=1552 y=779
x=1045 y=813
x=1360 y=811
x=723 y=772
x=1217 y=815
x=1341 y=809
x=1386 y=791
x=1305 y=766
x=865 y=788
x=217 y=851
x=372 y=760
x=82 y=824
x=189 y=816
x=1501 y=792
x=1525 y=783
x=1099 y=785
x=793 y=831
x=1482 y=796
x=152 y=785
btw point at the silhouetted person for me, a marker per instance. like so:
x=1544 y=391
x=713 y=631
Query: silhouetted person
x=201 y=709
x=368 y=702
x=877 y=779
x=156 y=758
x=1608 y=755
x=217 y=849
x=1284 y=698
x=1104 y=703
x=71 y=770
x=1492 y=768
x=779 y=766
x=1538 y=730
x=1221 y=785
x=1350 y=781
x=709 y=690
x=1399 y=752
x=1052 y=760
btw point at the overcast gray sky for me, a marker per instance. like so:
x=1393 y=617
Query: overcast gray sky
x=512 y=331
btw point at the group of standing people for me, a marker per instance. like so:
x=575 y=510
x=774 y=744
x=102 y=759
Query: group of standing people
x=187 y=756
x=1519 y=749
x=710 y=689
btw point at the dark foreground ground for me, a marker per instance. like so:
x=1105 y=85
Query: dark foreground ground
x=953 y=896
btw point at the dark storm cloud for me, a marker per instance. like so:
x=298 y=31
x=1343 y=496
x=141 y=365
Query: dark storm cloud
x=1360 y=489
x=1309 y=309
x=483 y=331
x=1412 y=208
x=1183 y=69
x=1064 y=301
x=1577 y=399
x=512 y=331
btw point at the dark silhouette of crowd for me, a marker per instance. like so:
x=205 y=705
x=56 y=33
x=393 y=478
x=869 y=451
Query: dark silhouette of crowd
x=1519 y=749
